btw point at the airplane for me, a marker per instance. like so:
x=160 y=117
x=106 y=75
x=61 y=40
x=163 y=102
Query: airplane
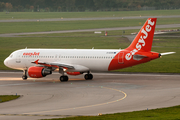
x=39 y=63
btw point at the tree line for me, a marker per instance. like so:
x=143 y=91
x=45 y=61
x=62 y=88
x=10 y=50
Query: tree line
x=85 y=5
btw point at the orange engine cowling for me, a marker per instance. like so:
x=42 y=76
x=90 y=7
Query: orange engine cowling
x=38 y=72
x=73 y=73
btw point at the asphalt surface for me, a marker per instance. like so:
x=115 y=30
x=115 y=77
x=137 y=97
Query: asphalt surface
x=97 y=18
x=106 y=93
x=85 y=30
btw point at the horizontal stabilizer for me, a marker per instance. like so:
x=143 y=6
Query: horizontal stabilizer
x=138 y=57
x=167 y=53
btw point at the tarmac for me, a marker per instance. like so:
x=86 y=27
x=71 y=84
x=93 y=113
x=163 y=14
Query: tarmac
x=107 y=93
x=85 y=30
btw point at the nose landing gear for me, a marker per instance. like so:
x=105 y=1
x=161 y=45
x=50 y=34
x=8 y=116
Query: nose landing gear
x=24 y=77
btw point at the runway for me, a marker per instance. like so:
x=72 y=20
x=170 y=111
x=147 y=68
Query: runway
x=85 y=30
x=106 y=93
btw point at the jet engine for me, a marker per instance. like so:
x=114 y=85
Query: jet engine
x=38 y=72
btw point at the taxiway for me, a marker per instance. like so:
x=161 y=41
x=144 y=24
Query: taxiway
x=106 y=93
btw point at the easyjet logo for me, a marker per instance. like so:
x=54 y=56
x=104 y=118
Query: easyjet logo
x=30 y=54
x=141 y=42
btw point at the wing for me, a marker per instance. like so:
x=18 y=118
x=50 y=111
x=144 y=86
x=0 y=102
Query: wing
x=67 y=67
x=53 y=64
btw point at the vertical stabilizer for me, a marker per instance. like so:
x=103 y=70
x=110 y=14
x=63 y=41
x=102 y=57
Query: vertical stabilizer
x=143 y=40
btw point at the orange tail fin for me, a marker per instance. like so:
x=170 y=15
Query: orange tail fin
x=140 y=49
x=143 y=40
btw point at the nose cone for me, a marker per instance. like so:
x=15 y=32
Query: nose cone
x=6 y=62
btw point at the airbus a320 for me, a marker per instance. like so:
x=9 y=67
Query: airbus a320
x=37 y=63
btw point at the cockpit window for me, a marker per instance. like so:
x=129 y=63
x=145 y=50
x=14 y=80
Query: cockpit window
x=11 y=56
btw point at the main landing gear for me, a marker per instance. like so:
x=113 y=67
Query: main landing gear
x=24 y=77
x=88 y=76
x=64 y=78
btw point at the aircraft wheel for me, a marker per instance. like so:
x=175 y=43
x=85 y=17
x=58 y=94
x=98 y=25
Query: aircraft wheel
x=24 y=77
x=88 y=76
x=64 y=78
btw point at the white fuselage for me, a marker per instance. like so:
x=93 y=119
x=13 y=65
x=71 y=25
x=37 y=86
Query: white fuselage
x=94 y=59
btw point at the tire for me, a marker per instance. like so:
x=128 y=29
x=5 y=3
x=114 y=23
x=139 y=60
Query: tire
x=88 y=76
x=63 y=78
x=24 y=77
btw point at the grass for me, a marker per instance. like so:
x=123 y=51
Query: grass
x=18 y=27
x=172 y=113
x=5 y=98
x=43 y=15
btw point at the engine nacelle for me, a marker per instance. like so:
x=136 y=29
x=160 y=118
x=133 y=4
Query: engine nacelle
x=73 y=73
x=38 y=72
